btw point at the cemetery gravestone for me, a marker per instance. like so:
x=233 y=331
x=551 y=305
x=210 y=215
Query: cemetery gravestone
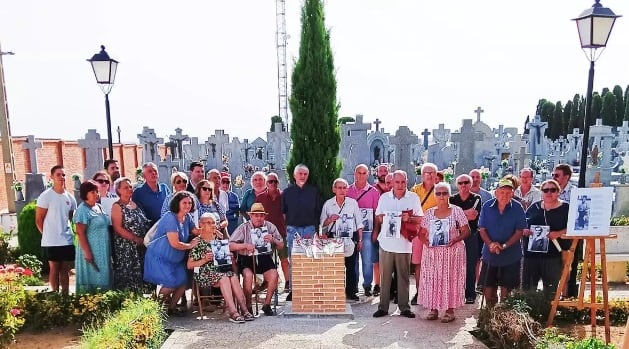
x=150 y=142
x=402 y=141
x=31 y=146
x=94 y=147
x=466 y=140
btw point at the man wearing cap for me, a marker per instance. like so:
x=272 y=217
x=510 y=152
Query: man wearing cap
x=241 y=241
x=233 y=205
x=501 y=223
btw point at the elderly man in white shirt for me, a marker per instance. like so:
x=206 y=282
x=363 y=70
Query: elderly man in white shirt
x=395 y=252
x=340 y=215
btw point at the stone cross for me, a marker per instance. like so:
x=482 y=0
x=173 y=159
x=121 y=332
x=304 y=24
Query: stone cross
x=178 y=138
x=166 y=167
x=377 y=123
x=31 y=146
x=623 y=132
x=466 y=139
x=521 y=159
x=215 y=149
x=599 y=131
x=426 y=133
x=150 y=142
x=94 y=147
x=574 y=139
x=478 y=111
x=403 y=140
x=441 y=135
x=537 y=129
x=195 y=151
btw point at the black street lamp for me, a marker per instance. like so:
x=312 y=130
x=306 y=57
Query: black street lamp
x=105 y=72
x=595 y=25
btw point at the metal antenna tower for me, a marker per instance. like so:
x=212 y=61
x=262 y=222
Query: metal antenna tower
x=281 y=39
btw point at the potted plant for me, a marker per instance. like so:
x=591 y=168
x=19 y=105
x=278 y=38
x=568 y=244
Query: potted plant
x=18 y=186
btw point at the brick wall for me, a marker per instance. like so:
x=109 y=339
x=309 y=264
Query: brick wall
x=318 y=285
x=70 y=155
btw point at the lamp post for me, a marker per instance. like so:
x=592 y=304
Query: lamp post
x=105 y=72
x=7 y=143
x=594 y=25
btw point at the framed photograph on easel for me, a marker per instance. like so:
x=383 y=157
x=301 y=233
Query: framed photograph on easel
x=590 y=211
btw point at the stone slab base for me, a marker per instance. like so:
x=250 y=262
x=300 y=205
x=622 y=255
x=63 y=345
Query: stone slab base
x=288 y=313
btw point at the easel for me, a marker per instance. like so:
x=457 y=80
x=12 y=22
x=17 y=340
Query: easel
x=588 y=269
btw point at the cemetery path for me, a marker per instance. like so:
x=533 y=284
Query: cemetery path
x=363 y=331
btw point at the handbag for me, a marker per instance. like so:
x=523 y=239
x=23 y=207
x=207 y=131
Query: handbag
x=150 y=234
x=409 y=230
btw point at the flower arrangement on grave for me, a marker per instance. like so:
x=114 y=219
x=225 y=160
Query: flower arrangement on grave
x=249 y=169
x=265 y=169
x=448 y=175
x=225 y=159
x=49 y=184
x=18 y=186
x=484 y=173
x=238 y=181
x=539 y=166
x=76 y=177
x=138 y=175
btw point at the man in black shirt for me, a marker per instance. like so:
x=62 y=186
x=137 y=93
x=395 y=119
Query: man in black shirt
x=301 y=205
x=471 y=205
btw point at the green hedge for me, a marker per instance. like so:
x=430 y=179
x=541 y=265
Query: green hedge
x=28 y=236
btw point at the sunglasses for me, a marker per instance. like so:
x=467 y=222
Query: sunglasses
x=551 y=190
x=206 y=188
x=226 y=181
x=555 y=175
x=273 y=181
x=441 y=193
x=463 y=183
x=102 y=181
x=180 y=181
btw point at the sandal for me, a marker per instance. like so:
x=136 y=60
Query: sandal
x=433 y=315
x=448 y=317
x=236 y=318
x=248 y=317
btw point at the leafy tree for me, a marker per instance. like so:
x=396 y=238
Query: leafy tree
x=274 y=119
x=620 y=104
x=346 y=119
x=608 y=111
x=314 y=128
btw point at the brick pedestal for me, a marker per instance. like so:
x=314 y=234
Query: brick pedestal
x=318 y=285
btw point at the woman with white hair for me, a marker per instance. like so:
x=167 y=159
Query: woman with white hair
x=442 y=285
x=179 y=182
x=258 y=186
x=209 y=275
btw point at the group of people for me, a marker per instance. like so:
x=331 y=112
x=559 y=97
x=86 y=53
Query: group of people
x=444 y=236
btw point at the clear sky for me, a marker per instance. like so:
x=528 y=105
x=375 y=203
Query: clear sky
x=205 y=65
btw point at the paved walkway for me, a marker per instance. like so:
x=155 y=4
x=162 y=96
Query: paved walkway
x=364 y=331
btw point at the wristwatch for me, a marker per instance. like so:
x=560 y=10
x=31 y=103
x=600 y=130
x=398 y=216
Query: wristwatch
x=504 y=246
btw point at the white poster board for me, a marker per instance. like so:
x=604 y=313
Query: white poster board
x=590 y=211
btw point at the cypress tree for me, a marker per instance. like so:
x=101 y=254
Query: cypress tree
x=581 y=119
x=538 y=109
x=574 y=114
x=608 y=111
x=567 y=113
x=557 y=121
x=314 y=128
x=626 y=118
x=597 y=105
x=620 y=104
x=274 y=119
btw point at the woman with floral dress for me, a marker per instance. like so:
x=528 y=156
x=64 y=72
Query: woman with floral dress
x=92 y=262
x=442 y=285
x=130 y=224
x=209 y=275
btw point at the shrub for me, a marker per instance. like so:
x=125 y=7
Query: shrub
x=617 y=221
x=554 y=339
x=28 y=236
x=31 y=262
x=12 y=300
x=140 y=324
x=5 y=251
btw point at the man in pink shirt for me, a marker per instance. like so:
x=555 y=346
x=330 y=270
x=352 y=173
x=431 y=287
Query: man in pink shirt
x=367 y=197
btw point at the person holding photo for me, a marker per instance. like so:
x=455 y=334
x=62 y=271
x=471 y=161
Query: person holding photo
x=241 y=241
x=209 y=275
x=442 y=284
x=546 y=266
x=335 y=216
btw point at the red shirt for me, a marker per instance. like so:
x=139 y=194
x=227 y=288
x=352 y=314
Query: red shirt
x=272 y=202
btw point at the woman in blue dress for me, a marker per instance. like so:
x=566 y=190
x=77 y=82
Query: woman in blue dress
x=165 y=260
x=92 y=263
